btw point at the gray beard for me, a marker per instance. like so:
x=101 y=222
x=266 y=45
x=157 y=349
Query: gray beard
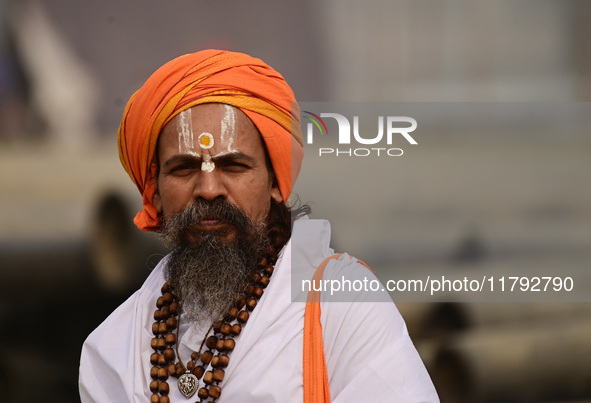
x=208 y=275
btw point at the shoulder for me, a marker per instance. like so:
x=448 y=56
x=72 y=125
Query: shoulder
x=106 y=370
x=136 y=306
x=366 y=341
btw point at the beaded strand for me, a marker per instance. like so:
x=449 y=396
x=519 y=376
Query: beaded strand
x=219 y=345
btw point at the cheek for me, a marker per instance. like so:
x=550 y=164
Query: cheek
x=173 y=197
x=254 y=199
x=264 y=202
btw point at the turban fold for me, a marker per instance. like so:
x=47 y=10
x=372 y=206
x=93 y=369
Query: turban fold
x=205 y=77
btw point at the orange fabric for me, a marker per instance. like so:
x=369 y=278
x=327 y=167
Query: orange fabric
x=204 y=77
x=316 y=387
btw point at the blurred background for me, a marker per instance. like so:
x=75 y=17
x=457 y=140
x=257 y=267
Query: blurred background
x=458 y=202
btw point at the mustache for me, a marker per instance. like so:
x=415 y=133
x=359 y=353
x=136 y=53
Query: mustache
x=208 y=273
x=218 y=209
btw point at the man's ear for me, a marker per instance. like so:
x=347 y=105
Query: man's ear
x=157 y=201
x=276 y=194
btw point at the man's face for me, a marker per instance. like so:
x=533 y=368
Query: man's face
x=213 y=151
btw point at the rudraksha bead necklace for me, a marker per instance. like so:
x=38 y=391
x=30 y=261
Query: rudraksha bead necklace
x=219 y=345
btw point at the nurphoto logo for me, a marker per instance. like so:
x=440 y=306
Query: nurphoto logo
x=349 y=136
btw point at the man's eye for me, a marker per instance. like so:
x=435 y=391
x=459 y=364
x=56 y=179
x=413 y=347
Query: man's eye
x=182 y=169
x=234 y=166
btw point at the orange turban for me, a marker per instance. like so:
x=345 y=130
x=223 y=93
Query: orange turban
x=204 y=77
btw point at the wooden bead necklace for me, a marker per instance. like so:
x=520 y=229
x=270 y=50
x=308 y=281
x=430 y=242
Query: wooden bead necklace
x=219 y=345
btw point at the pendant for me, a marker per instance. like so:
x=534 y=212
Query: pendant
x=187 y=384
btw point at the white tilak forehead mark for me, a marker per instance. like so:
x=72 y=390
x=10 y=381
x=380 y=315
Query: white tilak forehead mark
x=185 y=130
x=228 y=128
x=227 y=136
x=207 y=164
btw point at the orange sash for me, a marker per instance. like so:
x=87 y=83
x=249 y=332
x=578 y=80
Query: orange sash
x=316 y=388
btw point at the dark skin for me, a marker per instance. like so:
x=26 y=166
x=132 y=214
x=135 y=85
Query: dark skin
x=232 y=165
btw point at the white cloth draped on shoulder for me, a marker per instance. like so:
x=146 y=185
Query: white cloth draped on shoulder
x=369 y=354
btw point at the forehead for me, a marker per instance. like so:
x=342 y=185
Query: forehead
x=210 y=129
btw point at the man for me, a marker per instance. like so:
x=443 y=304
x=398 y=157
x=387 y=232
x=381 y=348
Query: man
x=212 y=142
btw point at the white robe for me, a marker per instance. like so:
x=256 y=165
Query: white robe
x=369 y=355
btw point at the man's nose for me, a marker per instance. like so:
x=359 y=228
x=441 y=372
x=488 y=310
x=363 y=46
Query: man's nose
x=209 y=185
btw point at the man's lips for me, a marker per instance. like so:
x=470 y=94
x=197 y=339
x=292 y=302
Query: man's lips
x=210 y=224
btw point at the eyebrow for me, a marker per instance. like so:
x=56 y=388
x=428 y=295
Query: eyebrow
x=232 y=156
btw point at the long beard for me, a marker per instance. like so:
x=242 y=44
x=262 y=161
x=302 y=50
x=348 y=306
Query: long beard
x=208 y=269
